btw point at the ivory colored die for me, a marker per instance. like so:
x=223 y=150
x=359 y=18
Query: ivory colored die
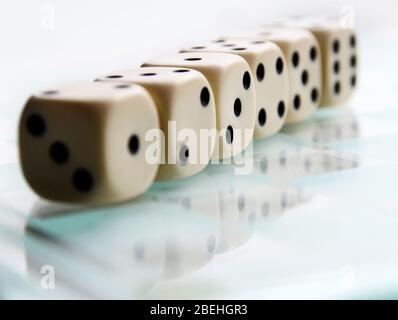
x=271 y=80
x=338 y=46
x=238 y=211
x=194 y=244
x=231 y=80
x=85 y=143
x=302 y=54
x=184 y=98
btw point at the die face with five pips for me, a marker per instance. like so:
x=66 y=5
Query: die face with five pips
x=270 y=79
x=86 y=143
x=184 y=100
x=232 y=83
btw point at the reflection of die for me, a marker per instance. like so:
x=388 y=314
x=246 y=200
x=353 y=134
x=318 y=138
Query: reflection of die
x=278 y=157
x=86 y=143
x=185 y=97
x=231 y=80
x=238 y=213
x=339 y=56
x=271 y=79
x=188 y=250
x=302 y=54
x=192 y=232
x=321 y=131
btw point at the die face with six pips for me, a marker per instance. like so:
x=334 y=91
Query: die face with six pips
x=340 y=63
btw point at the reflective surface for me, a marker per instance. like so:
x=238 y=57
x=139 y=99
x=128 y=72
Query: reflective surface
x=315 y=218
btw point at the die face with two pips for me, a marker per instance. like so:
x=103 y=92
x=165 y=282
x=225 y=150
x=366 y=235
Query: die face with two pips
x=184 y=99
x=232 y=83
x=85 y=143
x=303 y=59
x=270 y=79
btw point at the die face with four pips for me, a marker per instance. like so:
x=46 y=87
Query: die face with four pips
x=232 y=83
x=270 y=79
x=184 y=100
x=85 y=143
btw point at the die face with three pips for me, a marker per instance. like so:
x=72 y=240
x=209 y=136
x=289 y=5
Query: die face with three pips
x=234 y=94
x=86 y=143
x=184 y=99
x=270 y=79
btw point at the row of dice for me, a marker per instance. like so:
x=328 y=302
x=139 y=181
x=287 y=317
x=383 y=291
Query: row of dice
x=108 y=140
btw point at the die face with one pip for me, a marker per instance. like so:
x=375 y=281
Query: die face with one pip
x=302 y=54
x=183 y=97
x=270 y=79
x=232 y=83
x=86 y=143
x=338 y=46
